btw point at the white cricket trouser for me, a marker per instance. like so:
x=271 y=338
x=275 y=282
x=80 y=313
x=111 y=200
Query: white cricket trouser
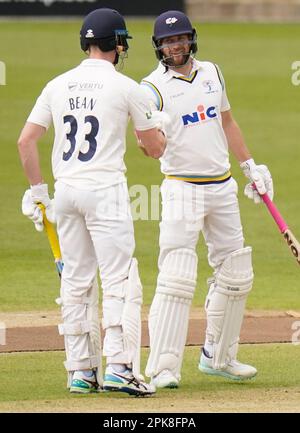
x=95 y=230
x=188 y=209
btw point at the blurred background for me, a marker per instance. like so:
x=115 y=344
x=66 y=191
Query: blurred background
x=202 y=10
x=256 y=45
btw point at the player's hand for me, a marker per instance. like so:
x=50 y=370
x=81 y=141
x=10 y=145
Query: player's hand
x=39 y=194
x=140 y=144
x=32 y=197
x=261 y=177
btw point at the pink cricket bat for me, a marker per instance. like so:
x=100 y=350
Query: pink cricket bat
x=283 y=227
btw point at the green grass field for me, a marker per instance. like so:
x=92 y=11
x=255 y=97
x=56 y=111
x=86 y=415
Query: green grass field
x=39 y=379
x=256 y=62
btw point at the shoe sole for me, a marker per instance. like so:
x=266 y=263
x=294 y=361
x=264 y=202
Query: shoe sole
x=170 y=385
x=220 y=373
x=74 y=390
x=126 y=389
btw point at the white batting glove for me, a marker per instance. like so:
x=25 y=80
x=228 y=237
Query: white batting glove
x=32 y=211
x=261 y=177
x=38 y=194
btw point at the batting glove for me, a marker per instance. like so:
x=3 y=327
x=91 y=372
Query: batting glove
x=32 y=197
x=261 y=177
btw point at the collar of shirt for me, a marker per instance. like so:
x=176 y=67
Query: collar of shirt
x=169 y=74
x=97 y=62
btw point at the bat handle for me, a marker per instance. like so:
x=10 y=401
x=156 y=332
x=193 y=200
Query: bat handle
x=282 y=225
x=59 y=266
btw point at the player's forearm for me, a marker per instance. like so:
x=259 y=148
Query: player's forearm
x=29 y=156
x=30 y=161
x=28 y=150
x=236 y=141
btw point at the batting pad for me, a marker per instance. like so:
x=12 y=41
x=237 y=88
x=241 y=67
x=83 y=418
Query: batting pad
x=225 y=305
x=82 y=337
x=131 y=317
x=122 y=317
x=169 y=312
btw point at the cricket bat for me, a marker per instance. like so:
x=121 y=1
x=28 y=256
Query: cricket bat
x=288 y=235
x=53 y=241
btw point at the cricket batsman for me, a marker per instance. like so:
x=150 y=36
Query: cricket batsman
x=199 y=195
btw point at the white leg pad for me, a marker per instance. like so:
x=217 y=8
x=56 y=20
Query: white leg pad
x=131 y=317
x=81 y=330
x=225 y=305
x=169 y=312
x=122 y=320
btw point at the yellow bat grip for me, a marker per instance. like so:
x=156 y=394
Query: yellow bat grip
x=51 y=233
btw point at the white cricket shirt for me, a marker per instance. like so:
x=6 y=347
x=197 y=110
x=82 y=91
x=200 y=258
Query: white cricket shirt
x=90 y=106
x=197 y=148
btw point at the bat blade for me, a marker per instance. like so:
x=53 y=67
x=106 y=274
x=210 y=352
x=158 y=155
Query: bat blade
x=293 y=244
x=289 y=237
x=282 y=225
x=53 y=241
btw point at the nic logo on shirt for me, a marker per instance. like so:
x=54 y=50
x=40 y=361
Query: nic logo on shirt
x=200 y=115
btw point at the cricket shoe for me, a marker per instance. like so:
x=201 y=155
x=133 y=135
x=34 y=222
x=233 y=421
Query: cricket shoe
x=234 y=370
x=165 y=379
x=84 y=384
x=126 y=382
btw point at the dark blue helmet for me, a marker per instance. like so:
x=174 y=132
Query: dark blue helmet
x=105 y=28
x=172 y=23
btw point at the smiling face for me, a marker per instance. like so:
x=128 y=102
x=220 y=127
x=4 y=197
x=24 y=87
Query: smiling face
x=176 y=49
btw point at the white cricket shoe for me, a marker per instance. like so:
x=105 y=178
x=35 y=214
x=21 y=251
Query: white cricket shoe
x=83 y=384
x=126 y=382
x=165 y=379
x=235 y=370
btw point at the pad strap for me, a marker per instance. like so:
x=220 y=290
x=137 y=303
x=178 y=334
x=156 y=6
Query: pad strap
x=74 y=328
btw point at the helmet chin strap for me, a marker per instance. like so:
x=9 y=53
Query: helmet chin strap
x=116 y=60
x=121 y=54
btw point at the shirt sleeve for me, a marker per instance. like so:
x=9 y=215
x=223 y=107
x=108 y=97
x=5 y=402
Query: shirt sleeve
x=153 y=93
x=140 y=109
x=225 y=105
x=41 y=112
